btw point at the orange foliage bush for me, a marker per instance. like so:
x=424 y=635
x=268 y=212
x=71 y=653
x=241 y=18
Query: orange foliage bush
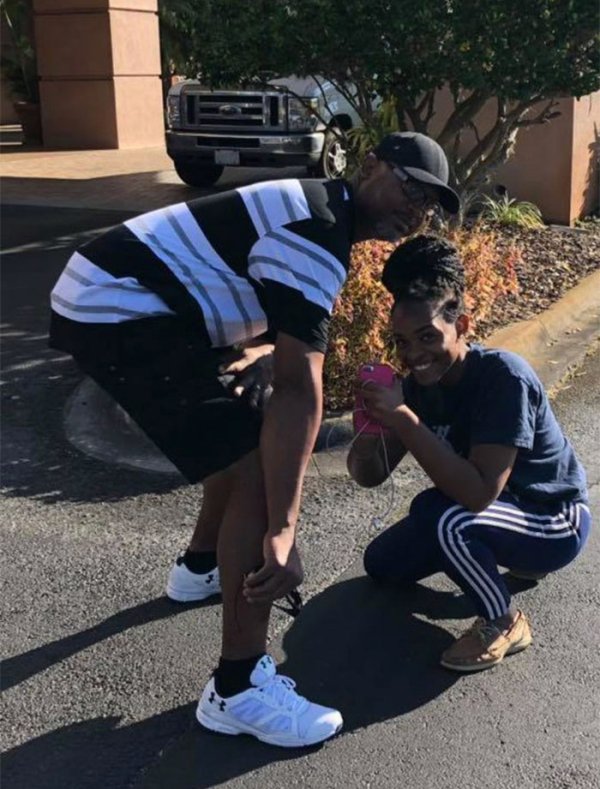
x=489 y=274
x=360 y=328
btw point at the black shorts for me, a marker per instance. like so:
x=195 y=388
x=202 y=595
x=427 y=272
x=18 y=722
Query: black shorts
x=167 y=380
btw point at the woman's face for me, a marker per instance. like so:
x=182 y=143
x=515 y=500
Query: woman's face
x=431 y=347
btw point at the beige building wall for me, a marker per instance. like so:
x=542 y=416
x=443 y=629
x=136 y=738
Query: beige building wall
x=554 y=165
x=99 y=66
x=541 y=167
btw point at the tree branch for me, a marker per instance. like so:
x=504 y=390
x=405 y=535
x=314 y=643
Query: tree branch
x=463 y=111
x=544 y=115
x=489 y=140
x=496 y=146
x=415 y=119
x=430 y=107
x=426 y=101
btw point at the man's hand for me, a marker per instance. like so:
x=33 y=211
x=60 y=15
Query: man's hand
x=253 y=371
x=281 y=572
x=382 y=402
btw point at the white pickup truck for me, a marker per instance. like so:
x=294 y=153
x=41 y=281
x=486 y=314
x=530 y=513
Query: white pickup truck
x=293 y=122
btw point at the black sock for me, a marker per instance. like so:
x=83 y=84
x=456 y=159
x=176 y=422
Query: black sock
x=199 y=561
x=233 y=676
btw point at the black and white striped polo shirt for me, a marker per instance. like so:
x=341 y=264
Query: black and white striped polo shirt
x=270 y=256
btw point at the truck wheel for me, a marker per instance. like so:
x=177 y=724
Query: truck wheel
x=198 y=174
x=333 y=160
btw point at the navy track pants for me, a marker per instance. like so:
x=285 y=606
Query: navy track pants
x=439 y=535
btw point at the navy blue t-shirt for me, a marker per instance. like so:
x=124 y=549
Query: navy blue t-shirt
x=500 y=400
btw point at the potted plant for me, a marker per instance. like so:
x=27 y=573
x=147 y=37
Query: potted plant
x=19 y=66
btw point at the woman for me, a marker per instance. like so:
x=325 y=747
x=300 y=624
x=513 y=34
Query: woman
x=507 y=487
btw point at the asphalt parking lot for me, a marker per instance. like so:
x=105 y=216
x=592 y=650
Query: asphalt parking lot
x=102 y=672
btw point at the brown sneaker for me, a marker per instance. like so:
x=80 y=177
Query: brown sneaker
x=483 y=644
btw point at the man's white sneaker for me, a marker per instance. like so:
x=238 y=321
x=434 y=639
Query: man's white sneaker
x=271 y=710
x=184 y=586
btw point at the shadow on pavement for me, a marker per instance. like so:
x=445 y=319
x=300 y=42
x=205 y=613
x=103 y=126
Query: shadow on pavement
x=132 y=192
x=37 y=381
x=361 y=648
x=93 y=753
x=435 y=605
x=21 y=667
x=355 y=646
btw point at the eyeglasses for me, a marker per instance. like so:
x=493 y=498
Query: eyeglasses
x=419 y=198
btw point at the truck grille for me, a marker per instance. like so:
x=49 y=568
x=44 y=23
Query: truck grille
x=235 y=110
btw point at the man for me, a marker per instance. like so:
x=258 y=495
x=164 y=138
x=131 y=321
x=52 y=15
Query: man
x=151 y=311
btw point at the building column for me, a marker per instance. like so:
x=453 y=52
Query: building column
x=585 y=179
x=540 y=168
x=99 y=68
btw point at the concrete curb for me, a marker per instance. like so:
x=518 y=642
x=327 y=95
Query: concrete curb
x=554 y=343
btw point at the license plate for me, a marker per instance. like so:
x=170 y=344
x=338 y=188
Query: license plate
x=227 y=157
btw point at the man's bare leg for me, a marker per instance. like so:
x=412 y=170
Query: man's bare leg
x=216 y=491
x=245 y=673
x=240 y=552
x=193 y=575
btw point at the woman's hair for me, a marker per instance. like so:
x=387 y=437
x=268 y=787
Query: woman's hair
x=427 y=268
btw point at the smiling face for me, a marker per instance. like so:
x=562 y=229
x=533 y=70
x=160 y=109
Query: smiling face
x=429 y=342
x=384 y=207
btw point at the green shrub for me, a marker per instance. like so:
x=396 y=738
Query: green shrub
x=508 y=211
x=360 y=329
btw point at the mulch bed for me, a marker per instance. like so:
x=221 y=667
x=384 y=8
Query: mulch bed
x=553 y=260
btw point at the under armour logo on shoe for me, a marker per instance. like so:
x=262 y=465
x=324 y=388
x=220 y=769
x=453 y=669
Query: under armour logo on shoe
x=211 y=698
x=209 y=578
x=222 y=706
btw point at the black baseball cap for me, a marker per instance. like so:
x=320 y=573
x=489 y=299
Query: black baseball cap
x=423 y=160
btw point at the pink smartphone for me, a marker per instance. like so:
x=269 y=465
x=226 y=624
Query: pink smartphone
x=381 y=374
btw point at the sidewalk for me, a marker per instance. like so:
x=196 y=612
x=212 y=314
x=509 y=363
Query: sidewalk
x=136 y=180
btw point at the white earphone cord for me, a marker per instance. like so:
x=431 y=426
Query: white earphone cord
x=378 y=521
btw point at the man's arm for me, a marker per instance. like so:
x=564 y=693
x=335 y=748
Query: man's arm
x=290 y=427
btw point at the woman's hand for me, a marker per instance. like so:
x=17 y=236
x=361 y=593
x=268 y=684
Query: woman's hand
x=253 y=370
x=281 y=572
x=382 y=402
